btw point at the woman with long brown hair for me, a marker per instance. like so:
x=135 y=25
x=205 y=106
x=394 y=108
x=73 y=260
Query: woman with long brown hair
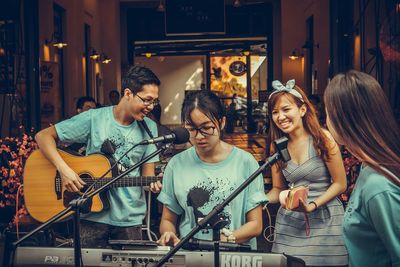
x=360 y=118
x=313 y=231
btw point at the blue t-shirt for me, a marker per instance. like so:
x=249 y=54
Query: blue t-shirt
x=371 y=225
x=93 y=127
x=192 y=188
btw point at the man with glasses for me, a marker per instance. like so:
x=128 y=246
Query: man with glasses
x=117 y=128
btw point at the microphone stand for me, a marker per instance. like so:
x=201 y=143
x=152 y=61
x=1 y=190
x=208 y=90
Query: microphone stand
x=281 y=145
x=217 y=226
x=76 y=205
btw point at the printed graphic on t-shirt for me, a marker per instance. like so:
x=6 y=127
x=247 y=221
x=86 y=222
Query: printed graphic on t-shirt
x=122 y=144
x=206 y=194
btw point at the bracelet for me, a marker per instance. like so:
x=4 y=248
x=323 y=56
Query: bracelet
x=226 y=232
x=231 y=239
x=313 y=202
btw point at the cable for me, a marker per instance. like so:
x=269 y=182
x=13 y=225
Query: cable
x=271 y=236
x=16 y=210
x=69 y=242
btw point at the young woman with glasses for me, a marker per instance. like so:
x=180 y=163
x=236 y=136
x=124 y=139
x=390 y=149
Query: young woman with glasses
x=199 y=178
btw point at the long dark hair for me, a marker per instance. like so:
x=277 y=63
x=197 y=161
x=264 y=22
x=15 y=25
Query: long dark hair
x=360 y=114
x=205 y=101
x=310 y=122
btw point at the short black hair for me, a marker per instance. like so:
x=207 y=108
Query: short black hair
x=82 y=100
x=136 y=77
x=112 y=92
x=204 y=100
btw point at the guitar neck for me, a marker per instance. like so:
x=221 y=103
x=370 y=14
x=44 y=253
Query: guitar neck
x=123 y=182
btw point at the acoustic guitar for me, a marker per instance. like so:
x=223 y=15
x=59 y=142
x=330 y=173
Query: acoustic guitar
x=43 y=192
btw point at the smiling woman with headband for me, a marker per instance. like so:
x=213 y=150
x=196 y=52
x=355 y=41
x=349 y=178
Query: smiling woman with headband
x=313 y=230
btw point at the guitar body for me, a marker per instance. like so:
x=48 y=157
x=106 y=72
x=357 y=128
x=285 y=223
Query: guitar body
x=42 y=191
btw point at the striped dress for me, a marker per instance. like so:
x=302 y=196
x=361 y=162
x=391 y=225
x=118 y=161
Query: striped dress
x=325 y=245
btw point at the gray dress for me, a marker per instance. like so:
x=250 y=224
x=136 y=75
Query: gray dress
x=325 y=245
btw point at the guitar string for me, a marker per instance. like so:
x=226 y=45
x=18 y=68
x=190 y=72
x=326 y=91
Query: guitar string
x=125 y=181
x=111 y=168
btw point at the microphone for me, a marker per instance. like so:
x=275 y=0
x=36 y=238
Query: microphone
x=281 y=146
x=178 y=136
x=108 y=147
x=200 y=244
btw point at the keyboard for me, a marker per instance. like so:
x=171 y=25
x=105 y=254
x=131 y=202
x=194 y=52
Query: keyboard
x=50 y=256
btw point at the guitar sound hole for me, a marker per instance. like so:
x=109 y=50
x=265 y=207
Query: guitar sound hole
x=69 y=196
x=87 y=178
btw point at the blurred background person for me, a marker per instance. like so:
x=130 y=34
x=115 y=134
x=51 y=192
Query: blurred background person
x=316 y=102
x=85 y=103
x=113 y=97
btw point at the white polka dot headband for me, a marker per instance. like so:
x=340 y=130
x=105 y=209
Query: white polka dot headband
x=289 y=87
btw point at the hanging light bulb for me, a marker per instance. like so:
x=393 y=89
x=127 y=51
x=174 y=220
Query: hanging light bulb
x=236 y=3
x=294 y=55
x=94 y=55
x=60 y=45
x=105 y=59
x=55 y=41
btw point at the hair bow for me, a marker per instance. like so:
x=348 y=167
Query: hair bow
x=289 y=87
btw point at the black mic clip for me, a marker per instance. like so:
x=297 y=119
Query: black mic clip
x=177 y=136
x=108 y=147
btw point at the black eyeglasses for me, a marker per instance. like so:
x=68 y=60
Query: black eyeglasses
x=148 y=102
x=205 y=130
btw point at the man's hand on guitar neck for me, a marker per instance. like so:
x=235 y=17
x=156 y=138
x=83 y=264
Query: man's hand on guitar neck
x=156 y=187
x=70 y=180
x=148 y=170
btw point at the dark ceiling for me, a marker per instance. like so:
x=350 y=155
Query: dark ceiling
x=248 y=27
x=228 y=46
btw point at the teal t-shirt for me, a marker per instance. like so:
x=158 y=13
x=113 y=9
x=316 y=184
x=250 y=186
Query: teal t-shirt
x=371 y=225
x=192 y=188
x=93 y=127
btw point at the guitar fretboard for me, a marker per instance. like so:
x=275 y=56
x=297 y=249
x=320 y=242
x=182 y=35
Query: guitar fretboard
x=122 y=182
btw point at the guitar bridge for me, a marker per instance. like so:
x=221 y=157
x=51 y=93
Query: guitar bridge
x=58 y=186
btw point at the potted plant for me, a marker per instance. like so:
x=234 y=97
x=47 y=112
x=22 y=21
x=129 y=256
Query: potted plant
x=14 y=152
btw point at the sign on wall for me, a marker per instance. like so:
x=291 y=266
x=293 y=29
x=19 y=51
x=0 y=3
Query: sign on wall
x=50 y=96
